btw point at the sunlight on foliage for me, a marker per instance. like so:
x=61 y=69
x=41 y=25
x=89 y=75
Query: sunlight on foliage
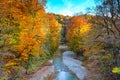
x=77 y=33
x=26 y=32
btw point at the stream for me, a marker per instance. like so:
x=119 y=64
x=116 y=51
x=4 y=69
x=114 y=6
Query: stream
x=64 y=67
x=62 y=72
x=67 y=68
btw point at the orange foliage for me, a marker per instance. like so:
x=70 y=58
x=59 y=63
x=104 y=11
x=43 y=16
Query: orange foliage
x=35 y=28
x=5 y=6
x=77 y=32
x=53 y=35
x=31 y=33
x=78 y=26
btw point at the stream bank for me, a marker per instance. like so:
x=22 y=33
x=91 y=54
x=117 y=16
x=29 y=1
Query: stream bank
x=64 y=67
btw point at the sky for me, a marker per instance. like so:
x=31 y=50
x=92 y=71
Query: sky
x=68 y=7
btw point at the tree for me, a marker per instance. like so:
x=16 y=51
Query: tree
x=31 y=19
x=53 y=35
x=77 y=33
x=109 y=12
x=106 y=24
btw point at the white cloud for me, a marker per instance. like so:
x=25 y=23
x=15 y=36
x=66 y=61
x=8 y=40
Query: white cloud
x=67 y=12
x=71 y=9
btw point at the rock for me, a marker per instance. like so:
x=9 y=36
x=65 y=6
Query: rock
x=43 y=73
x=63 y=48
x=74 y=65
x=50 y=61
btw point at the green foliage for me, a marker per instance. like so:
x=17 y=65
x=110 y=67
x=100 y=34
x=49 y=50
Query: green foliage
x=106 y=64
x=9 y=32
x=35 y=62
x=27 y=33
x=50 y=46
x=63 y=33
x=78 y=33
x=116 y=70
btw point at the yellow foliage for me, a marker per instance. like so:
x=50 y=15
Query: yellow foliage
x=32 y=34
x=116 y=70
x=35 y=27
x=85 y=29
x=7 y=71
x=10 y=64
x=77 y=32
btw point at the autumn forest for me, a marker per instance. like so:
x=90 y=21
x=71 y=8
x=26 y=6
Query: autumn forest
x=37 y=45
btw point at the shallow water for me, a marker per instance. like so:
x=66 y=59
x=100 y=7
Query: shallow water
x=62 y=75
x=66 y=67
x=62 y=72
